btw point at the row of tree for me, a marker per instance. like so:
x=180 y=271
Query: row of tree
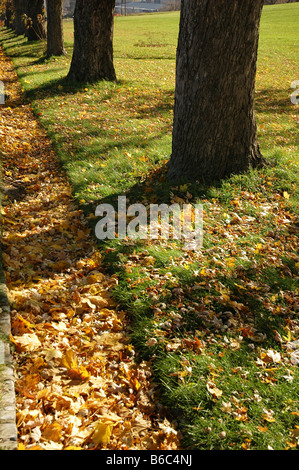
x=93 y=33
x=214 y=132
x=28 y=17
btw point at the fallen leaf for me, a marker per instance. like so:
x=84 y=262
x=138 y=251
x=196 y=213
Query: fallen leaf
x=27 y=342
x=69 y=360
x=271 y=356
x=101 y=433
x=213 y=390
x=52 y=432
x=74 y=371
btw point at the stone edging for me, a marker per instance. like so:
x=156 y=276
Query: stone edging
x=8 y=428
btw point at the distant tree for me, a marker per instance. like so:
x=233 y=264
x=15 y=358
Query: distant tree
x=19 y=7
x=93 y=41
x=55 y=42
x=35 y=20
x=214 y=129
x=8 y=14
x=172 y=5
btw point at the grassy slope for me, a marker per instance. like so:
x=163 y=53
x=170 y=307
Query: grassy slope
x=210 y=338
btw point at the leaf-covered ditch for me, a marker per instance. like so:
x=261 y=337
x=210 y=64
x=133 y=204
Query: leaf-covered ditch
x=78 y=385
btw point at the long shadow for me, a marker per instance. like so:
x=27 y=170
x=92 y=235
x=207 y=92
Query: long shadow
x=273 y=100
x=161 y=191
x=267 y=101
x=25 y=49
x=246 y=307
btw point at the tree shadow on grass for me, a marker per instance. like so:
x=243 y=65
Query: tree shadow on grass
x=273 y=101
x=25 y=48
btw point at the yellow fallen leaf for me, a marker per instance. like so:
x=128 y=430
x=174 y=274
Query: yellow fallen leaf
x=136 y=384
x=80 y=373
x=286 y=195
x=69 y=360
x=74 y=371
x=99 y=300
x=259 y=247
x=269 y=419
x=288 y=336
x=113 y=341
x=20 y=325
x=225 y=297
x=262 y=428
x=53 y=432
x=230 y=262
x=102 y=433
x=268 y=416
x=95 y=277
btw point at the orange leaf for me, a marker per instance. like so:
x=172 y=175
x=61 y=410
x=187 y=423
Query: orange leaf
x=52 y=432
x=78 y=374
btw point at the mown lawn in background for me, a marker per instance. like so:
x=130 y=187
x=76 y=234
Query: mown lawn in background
x=215 y=323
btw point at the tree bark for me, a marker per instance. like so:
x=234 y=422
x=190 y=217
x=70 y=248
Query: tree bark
x=36 y=14
x=214 y=128
x=93 y=41
x=19 y=11
x=8 y=14
x=55 y=40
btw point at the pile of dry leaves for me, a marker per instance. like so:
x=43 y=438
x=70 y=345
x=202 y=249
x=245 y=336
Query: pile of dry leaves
x=78 y=385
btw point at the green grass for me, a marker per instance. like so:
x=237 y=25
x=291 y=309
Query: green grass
x=205 y=319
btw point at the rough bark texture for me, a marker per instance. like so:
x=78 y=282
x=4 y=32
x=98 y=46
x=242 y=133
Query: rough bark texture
x=36 y=12
x=55 y=41
x=93 y=41
x=19 y=10
x=8 y=14
x=214 y=132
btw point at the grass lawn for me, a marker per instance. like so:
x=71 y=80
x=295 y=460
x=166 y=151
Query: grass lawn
x=218 y=324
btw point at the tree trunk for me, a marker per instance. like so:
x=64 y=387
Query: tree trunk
x=214 y=129
x=93 y=41
x=8 y=14
x=19 y=11
x=36 y=14
x=55 y=42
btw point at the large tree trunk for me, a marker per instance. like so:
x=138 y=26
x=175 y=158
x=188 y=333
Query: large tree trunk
x=19 y=11
x=214 y=130
x=93 y=41
x=55 y=42
x=36 y=15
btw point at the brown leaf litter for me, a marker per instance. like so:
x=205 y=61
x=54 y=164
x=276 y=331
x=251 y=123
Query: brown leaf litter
x=78 y=385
